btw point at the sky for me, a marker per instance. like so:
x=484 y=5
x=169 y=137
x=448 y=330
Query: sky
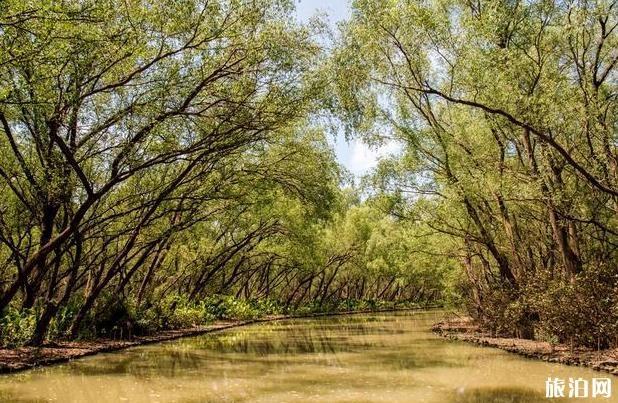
x=356 y=156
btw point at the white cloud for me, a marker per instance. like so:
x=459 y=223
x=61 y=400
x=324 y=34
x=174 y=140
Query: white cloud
x=361 y=158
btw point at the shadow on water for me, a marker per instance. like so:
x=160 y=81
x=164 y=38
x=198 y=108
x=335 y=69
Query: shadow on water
x=168 y=364
x=8 y=397
x=414 y=360
x=499 y=395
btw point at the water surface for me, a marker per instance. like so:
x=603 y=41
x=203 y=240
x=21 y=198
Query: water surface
x=390 y=357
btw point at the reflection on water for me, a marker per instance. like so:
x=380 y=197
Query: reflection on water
x=358 y=358
x=499 y=394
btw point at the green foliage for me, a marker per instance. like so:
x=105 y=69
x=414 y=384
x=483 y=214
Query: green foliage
x=149 y=142
x=172 y=312
x=509 y=165
x=16 y=327
x=228 y=307
x=61 y=323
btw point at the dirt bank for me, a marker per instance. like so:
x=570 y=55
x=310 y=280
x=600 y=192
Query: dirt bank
x=22 y=358
x=464 y=329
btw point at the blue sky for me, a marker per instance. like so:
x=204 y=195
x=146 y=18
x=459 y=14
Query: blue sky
x=354 y=155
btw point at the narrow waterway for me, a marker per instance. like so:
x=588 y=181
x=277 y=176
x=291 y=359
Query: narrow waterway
x=390 y=357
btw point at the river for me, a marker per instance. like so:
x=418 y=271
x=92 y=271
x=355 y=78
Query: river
x=386 y=357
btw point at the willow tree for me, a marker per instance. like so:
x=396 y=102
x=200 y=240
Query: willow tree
x=508 y=111
x=112 y=111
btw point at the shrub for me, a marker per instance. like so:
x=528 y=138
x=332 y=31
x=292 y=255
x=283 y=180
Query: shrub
x=17 y=326
x=228 y=307
x=187 y=316
x=507 y=312
x=60 y=324
x=581 y=311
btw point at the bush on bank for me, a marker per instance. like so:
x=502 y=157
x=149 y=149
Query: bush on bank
x=578 y=312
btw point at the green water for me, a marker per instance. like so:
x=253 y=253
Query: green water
x=356 y=358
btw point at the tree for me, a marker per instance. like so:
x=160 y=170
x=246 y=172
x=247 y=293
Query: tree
x=508 y=112
x=111 y=111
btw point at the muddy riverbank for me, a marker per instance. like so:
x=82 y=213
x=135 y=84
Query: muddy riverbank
x=464 y=329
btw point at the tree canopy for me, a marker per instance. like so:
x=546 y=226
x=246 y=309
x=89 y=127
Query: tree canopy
x=508 y=114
